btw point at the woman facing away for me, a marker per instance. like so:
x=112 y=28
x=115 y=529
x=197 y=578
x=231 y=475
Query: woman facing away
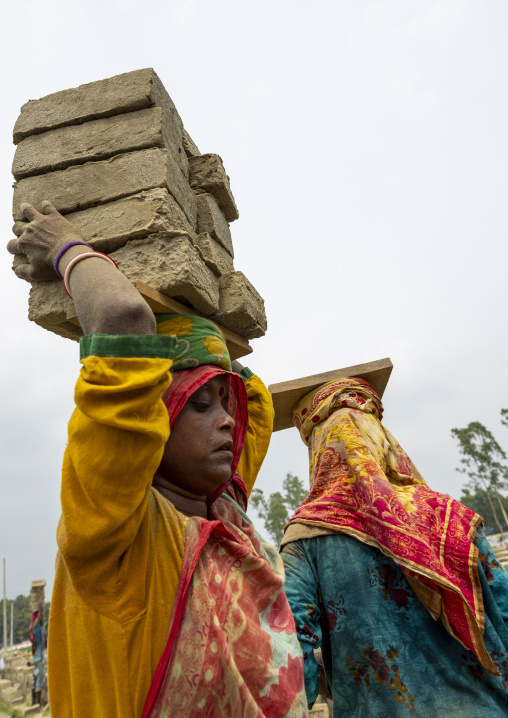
x=394 y=581
x=166 y=601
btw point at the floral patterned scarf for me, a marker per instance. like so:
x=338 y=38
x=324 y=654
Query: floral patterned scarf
x=198 y=341
x=232 y=648
x=365 y=485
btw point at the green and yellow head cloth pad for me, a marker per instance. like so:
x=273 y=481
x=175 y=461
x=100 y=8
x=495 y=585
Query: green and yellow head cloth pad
x=198 y=341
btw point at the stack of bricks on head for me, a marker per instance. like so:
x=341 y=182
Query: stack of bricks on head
x=37 y=596
x=114 y=158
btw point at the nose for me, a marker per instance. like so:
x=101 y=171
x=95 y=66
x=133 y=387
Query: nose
x=226 y=423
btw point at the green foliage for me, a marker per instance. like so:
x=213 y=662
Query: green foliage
x=294 y=491
x=21 y=619
x=484 y=462
x=479 y=503
x=9 y=710
x=277 y=509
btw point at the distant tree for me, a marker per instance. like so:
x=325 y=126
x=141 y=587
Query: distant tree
x=21 y=618
x=484 y=461
x=277 y=509
x=479 y=502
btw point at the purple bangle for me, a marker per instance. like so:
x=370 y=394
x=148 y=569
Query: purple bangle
x=63 y=251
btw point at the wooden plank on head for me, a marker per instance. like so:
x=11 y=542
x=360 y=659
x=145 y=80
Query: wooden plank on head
x=159 y=303
x=286 y=394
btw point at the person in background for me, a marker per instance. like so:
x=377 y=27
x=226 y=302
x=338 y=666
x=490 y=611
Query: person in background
x=394 y=581
x=166 y=601
x=38 y=640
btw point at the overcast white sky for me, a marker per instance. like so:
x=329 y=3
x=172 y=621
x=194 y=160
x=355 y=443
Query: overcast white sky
x=366 y=144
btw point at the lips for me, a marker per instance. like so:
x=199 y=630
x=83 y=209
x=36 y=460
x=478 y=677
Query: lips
x=226 y=446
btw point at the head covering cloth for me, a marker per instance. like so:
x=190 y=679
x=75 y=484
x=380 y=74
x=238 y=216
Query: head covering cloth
x=35 y=615
x=201 y=354
x=362 y=483
x=198 y=341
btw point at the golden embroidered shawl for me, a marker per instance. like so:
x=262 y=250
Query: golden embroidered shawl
x=365 y=485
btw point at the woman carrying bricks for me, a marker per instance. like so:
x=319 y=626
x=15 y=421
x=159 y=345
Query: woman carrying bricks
x=396 y=582
x=39 y=642
x=166 y=601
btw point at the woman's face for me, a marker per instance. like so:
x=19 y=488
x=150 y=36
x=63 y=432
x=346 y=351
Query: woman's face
x=198 y=454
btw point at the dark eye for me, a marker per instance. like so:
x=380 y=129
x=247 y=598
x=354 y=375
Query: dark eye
x=201 y=405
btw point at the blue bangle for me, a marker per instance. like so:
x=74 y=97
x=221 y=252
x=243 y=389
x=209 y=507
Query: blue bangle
x=62 y=252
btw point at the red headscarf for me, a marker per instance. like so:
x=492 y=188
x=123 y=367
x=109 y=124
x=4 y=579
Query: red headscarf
x=188 y=381
x=35 y=615
x=31 y=631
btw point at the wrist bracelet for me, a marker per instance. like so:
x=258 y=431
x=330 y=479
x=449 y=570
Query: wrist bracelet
x=60 y=254
x=77 y=259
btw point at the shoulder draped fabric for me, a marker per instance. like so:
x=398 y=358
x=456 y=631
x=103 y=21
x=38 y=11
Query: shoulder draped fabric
x=363 y=484
x=230 y=604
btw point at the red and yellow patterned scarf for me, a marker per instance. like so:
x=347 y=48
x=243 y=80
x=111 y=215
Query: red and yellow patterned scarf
x=232 y=648
x=365 y=485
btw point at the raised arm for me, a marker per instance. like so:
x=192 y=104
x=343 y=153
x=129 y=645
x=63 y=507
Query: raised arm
x=260 y=428
x=105 y=300
x=120 y=425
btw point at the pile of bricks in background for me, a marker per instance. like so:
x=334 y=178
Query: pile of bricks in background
x=499 y=544
x=114 y=157
x=16 y=681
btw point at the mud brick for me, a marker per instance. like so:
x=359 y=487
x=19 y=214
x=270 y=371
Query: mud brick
x=37 y=595
x=110 y=226
x=32 y=710
x=189 y=145
x=211 y=220
x=207 y=174
x=114 y=96
x=48 y=305
x=173 y=266
x=93 y=183
x=92 y=141
x=214 y=256
x=241 y=307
